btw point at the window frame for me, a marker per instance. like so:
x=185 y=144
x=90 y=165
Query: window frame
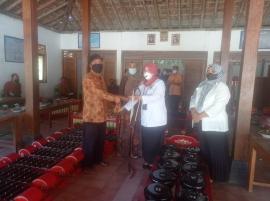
x=43 y=53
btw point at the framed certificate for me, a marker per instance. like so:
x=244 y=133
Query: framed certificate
x=94 y=40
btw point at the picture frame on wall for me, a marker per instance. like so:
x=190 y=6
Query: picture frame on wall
x=94 y=40
x=163 y=36
x=14 y=50
x=175 y=40
x=151 y=39
x=264 y=39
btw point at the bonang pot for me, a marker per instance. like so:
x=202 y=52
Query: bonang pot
x=193 y=150
x=169 y=164
x=163 y=176
x=189 y=167
x=171 y=154
x=191 y=195
x=168 y=147
x=157 y=192
x=191 y=158
x=193 y=180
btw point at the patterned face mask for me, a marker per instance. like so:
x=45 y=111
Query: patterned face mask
x=147 y=75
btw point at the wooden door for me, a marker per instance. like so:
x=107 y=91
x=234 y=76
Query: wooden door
x=70 y=69
x=194 y=74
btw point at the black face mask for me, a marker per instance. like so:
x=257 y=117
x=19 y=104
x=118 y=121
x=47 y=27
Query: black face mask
x=97 y=68
x=211 y=76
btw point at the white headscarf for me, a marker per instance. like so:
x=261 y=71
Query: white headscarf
x=207 y=85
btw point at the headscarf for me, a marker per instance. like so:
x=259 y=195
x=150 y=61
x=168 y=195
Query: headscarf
x=153 y=69
x=207 y=85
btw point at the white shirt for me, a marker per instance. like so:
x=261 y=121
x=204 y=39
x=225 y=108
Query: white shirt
x=214 y=106
x=153 y=108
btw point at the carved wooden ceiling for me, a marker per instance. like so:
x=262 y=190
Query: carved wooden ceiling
x=134 y=15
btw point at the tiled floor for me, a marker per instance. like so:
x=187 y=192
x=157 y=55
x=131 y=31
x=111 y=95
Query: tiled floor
x=113 y=183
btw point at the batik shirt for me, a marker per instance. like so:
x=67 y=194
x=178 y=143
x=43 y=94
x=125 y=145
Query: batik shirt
x=95 y=98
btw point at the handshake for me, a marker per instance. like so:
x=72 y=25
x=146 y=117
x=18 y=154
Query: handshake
x=118 y=99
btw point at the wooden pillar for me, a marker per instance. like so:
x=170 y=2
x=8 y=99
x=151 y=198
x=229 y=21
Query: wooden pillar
x=85 y=34
x=30 y=65
x=248 y=73
x=226 y=36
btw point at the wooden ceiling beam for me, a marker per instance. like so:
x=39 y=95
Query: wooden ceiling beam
x=105 y=11
x=40 y=6
x=203 y=13
x=99 y=15
x=69 y=8
x=55 y=21
x=52 y=19
x=52 y=10
x=74 y=14
x=214 y=16
x=45 y=4
x=14 y=4
x=168 y=15
x=157 y=13
x=116 y=14
x=240 y=13
x=179 y=12
x=136 y=13
x=190 y=13
x=2 y=2
x=126 y=14
x=147 y=13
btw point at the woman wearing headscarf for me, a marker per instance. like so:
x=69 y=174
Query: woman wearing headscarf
x=150 y=97
x=208 y=109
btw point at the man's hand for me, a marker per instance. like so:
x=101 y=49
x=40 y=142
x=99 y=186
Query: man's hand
x=117 y=100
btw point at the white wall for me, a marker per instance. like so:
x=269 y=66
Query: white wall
x=13 y=27
x=209 y=41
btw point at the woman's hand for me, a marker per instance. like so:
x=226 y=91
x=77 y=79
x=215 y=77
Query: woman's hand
x=196 y=117
x=135 y=98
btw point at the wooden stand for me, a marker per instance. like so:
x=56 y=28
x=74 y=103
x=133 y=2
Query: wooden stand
x=261 y=146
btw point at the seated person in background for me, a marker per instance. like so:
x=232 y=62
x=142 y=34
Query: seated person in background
x=63 y=89
x=12 y=88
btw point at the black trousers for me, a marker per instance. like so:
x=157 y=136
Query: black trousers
x=174 y=103
x=214 y=148
x=152 y=140
x=93 y=142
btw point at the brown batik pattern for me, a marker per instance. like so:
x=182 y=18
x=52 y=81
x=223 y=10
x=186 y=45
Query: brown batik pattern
x=95 y=98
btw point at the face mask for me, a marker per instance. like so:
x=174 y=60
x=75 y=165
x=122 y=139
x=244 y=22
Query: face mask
x=97 y=68
x=147 y=75
x=211 y=76
x=132 y=71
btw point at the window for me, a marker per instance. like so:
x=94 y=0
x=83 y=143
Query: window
x=42 y=63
